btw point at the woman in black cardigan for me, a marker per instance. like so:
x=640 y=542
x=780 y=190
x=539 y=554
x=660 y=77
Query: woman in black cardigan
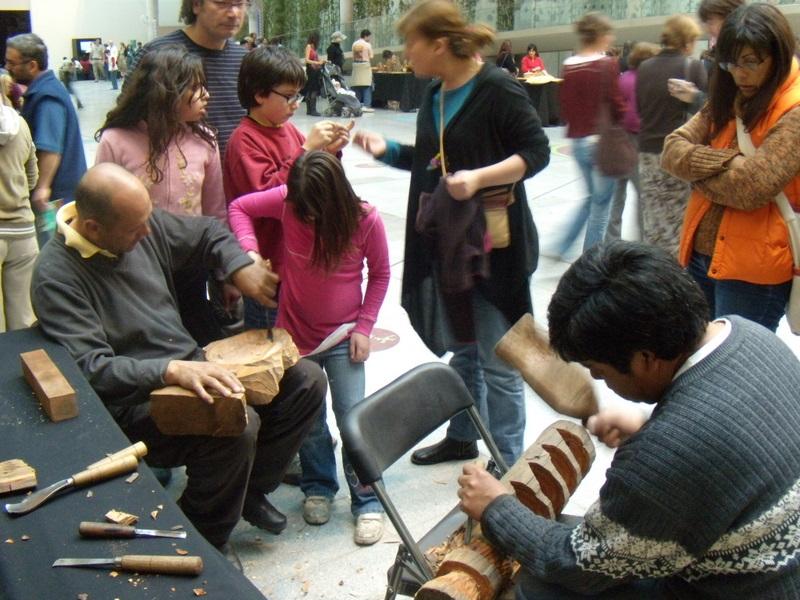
x=492 y=137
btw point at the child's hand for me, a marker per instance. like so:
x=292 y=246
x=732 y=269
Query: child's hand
x=374 y=143
x=321 y=135
x=359 y=347
x=342 y=137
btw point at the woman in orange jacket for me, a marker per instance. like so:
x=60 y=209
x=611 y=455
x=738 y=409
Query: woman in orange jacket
x=734 y=241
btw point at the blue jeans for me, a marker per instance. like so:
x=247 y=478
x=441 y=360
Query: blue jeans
x=364 y=94
x=764 y=304
x=346 y=380
x=495 y=386
x=595 y=209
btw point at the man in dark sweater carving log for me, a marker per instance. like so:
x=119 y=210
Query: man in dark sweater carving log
x=104 y=288
x=703 y=499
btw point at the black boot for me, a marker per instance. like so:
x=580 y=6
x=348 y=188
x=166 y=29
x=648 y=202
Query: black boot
x=259 y=512
x=447 y=449
x=311 y=105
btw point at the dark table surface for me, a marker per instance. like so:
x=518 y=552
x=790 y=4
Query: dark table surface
x=58 y=450
x=405 y=88
x=544 y=97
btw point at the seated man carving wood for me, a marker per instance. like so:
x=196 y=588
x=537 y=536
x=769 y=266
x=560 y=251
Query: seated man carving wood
x=103 y=287
x=703 y=499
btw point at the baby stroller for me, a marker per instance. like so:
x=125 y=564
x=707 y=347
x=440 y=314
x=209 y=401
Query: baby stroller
x=341 y=101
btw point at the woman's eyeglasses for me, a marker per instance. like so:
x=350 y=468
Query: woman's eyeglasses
x=751 y=64
x=294 y=99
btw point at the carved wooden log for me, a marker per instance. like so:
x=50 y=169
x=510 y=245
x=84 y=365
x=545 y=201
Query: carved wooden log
x=257 y=361
x=543 y=479
x=566 y=387
x=178 y=411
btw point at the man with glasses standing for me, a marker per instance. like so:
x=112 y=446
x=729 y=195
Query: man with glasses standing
x=54 y=126
x=210 y=28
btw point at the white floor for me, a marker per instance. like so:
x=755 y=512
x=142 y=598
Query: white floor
x=307 y=562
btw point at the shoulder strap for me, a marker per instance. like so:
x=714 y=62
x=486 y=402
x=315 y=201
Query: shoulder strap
x=782 y=202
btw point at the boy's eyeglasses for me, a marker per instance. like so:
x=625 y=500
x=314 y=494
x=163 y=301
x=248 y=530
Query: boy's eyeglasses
x=295 y=99
x=748 y=65
x=228 y=4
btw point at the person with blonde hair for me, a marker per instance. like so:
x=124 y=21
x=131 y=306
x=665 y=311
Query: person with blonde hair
x=663 y=197
x=492 y=139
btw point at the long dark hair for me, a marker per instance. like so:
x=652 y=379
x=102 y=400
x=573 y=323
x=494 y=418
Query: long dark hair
x=765 y=30
x=321 y=196
x=153 y=96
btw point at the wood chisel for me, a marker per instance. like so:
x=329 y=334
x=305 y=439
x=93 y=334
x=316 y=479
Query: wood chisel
x=163 y=565
x=90 y=529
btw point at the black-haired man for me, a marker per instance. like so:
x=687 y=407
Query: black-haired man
x=702 y=499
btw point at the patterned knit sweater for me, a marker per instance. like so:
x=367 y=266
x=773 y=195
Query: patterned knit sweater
x=706 y=496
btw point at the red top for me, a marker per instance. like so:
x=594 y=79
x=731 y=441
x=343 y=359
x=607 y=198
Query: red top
x=258 y=158
x=588 y=82
x=529 y=64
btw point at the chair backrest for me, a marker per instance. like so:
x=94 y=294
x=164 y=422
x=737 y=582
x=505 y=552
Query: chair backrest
x=387 y=424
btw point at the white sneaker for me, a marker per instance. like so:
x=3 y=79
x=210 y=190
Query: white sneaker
x=369 y=529
x=367 y=109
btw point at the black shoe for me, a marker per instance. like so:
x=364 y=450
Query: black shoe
x=259 y=512
x=445 y=450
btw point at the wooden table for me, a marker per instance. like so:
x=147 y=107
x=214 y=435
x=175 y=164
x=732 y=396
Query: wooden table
x=56 y=451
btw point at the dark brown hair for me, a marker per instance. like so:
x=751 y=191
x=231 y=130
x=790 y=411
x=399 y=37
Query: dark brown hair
x=187 y=11
x=434 y=19
x=764 y=29
x=719 y=8
x=321 y=196
x=264 y=69
x=153 y=95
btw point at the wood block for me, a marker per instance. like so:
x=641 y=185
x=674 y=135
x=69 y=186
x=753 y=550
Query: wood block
x=16 y=474
x=121 y=518
x=178 y=411
x=54 y=392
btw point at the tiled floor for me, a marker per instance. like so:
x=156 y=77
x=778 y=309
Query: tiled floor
x=307 y=562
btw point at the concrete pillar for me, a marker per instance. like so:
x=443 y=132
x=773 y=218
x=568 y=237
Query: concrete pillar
x=151 y=14
x=345 y=13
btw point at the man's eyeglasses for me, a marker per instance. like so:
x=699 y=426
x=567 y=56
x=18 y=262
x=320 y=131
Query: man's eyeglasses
x=228 y=4
x=751 y=64
x=295 y=99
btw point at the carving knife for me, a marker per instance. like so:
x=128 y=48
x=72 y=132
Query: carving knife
x=90 y=529
x=163 y=565
x=126 y=464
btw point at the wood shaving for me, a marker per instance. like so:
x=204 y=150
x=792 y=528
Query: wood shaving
x=160 y=507
x=305 y=587
x=113 y=574
x=133 y=477
x=9 y=541
x=121 y=518
x=89 y=494
x=176 y=527
x=199 y=592
x=25 y=538
x=181 y=551
x=83 y=597
x=154 y=515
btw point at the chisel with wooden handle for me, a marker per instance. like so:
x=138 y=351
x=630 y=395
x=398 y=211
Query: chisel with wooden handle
x=91 y=529
x=139 y=449
x=126 y=464
x=138 y=563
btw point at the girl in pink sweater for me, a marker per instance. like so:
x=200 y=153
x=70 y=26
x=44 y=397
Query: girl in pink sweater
x=328 y=233
x=157 y=131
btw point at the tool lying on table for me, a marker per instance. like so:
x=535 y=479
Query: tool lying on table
x=135 y=563
x=139 y=449
x=126 y=464
x=90 y=529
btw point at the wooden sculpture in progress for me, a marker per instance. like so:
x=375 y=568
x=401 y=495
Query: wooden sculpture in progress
x=258 y=358
x=543 y=480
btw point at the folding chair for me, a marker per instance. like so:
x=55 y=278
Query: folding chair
x=389 y=423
